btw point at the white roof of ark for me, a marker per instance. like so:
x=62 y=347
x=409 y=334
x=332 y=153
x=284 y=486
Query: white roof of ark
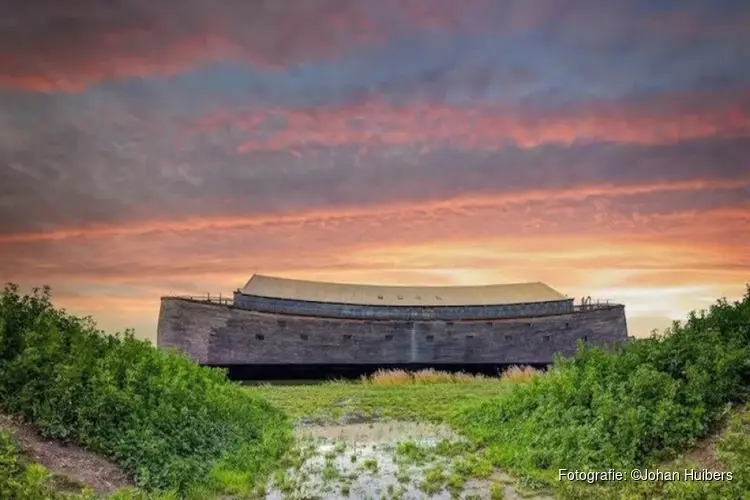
x=314 y=291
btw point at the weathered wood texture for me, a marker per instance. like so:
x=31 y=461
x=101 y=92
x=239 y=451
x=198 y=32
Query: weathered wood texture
x=216 y=334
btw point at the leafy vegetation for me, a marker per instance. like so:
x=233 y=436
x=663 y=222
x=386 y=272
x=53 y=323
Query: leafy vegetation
x=733 y=450
x=169 y=423
x=636 y=406
x=19 y=480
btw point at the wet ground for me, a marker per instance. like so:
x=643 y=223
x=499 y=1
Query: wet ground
x=384 y=460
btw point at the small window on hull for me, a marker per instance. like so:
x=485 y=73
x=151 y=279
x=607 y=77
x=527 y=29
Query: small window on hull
x=508 y=337
x=303 y=336
x=347 y=337
x=389 y=337
x=259 y=336
x=547 y=338
x=430 y=338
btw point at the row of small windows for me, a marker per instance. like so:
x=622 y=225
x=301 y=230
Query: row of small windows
x=304 y=336
x=490 y=323
x=418 y=297
x=282 y=324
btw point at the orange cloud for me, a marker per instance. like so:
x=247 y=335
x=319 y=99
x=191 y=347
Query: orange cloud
x=562 y=234
x=467 y=202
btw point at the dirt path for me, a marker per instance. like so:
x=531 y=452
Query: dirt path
x=72 y=467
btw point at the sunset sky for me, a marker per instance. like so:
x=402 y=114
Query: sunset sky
x=154 y=147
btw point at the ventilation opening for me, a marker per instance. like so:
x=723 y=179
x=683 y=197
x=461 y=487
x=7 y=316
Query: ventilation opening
x=585 y=338
x=508 y=337
x=409 y=325
x=489 y=323
x=469 y=337
x=303 y=336
x=389 y=337
x=430 y=338
x=259 y=336
x=547 y=338
x=347 y=337
x=449 y=323
x=567 y=326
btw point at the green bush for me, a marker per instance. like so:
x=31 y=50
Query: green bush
x=14 y=482
x=167 y=421
x=634 y=406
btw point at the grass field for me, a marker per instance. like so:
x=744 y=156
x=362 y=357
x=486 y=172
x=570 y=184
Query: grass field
x=426 y=395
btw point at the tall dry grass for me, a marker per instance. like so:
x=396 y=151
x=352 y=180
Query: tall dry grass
x=428 y=376
x=520 y=373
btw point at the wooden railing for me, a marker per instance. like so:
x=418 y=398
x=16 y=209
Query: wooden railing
x=212 y=298
x=589 y=304
x=586 y=305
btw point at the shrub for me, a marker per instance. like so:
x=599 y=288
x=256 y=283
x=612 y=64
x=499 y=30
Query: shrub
x=167 y=421
x=629 y=407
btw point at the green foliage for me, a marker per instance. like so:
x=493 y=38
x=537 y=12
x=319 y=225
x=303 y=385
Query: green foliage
x=17 y=480
x=635 y=406
x=21 y=480
x=734 y=449
x=168 y=422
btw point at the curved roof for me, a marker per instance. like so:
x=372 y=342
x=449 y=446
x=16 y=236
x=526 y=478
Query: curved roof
x=314 y=291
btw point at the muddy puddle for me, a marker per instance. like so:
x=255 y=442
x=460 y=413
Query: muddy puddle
x=384 y=460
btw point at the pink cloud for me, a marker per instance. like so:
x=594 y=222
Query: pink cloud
x=658 y=120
